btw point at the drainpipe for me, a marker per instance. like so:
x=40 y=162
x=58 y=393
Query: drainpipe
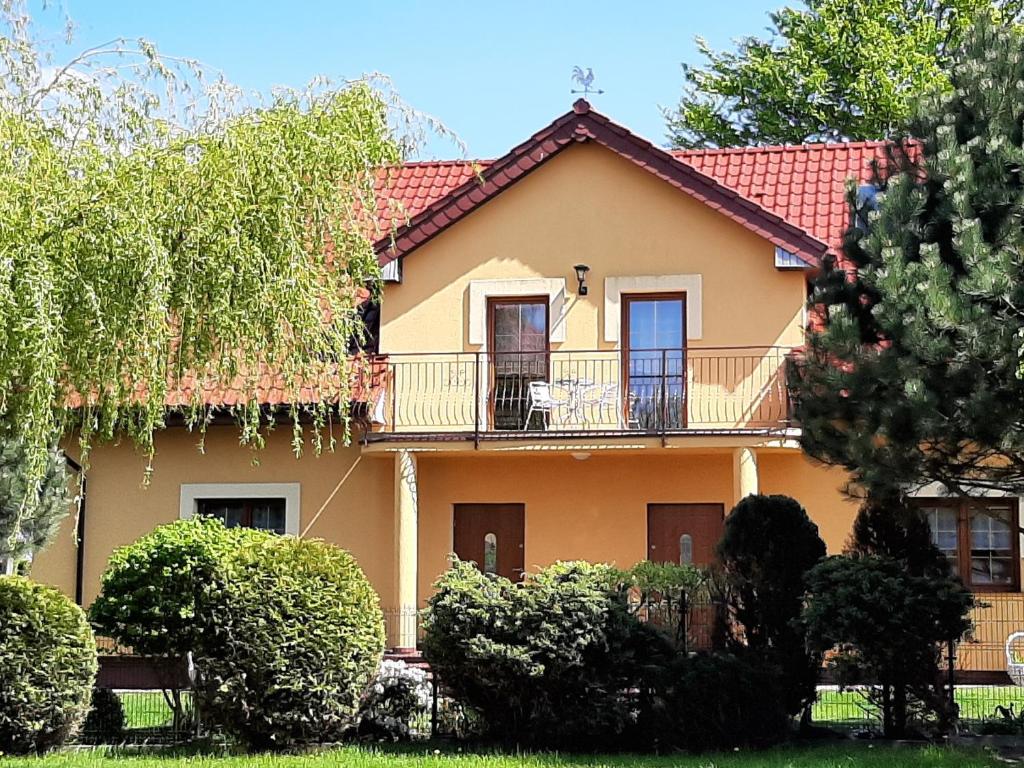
x=80 y=531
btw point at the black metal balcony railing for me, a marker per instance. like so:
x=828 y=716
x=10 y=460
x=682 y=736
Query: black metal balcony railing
x=506 y=394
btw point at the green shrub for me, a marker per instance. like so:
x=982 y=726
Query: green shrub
x=889 y=628
x=47 y=666
x=153 y=589
x=722 y=701
x=552 y=661
x=105 y=722
x=292 y=633
x=768 y=546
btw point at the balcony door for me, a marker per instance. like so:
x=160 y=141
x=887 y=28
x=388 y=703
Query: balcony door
x=518 y=334
x=654 y=360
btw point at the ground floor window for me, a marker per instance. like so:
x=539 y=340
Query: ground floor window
x=262 y=514
x=264 y=506
x=981 y=538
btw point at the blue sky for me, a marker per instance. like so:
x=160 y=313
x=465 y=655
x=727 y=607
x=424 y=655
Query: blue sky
x=494 y=72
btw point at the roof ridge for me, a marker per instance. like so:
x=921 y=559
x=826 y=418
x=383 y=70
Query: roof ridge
x=434 y=163
x=761 y=148
x=770 y=148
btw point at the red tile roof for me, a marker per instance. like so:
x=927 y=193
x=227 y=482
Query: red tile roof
x=804 y=185
x=582 y=124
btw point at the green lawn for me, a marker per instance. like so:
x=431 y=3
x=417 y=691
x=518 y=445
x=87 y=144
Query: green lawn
x=976 y=703
x=852 y=755
x=145 y=709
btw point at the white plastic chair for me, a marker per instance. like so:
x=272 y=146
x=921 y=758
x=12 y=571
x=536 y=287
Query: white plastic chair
x=543 y=400
x=1014 y=668
x=601 y=396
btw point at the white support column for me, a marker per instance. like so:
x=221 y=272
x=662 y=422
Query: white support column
x=406 y=543
x=744 y=473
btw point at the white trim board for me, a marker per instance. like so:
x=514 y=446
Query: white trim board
x=290 y=492
x=482 y=290
x=614 y=287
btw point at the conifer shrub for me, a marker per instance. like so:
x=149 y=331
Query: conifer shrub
x=768 y=546
x=47 y=666
x=716 y=701
x=553 y=661
x=888 y=628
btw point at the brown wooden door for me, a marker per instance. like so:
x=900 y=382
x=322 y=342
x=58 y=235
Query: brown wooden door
x=492 y=536
x=684 y=533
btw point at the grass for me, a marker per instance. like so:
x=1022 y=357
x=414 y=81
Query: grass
x=145 y=709
x=852 y=708
x=841 y=755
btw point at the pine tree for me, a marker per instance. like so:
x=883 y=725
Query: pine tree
x=29 y=521
x=915 y=374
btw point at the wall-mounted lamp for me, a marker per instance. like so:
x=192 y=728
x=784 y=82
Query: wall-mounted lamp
x=581 y=278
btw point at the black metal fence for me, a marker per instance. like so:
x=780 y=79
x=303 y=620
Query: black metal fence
x=142 y=700
x=139 y=700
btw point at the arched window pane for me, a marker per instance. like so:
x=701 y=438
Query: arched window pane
x=490 y=553
x=685 y=549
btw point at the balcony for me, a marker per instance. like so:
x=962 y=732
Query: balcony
x=561 y=393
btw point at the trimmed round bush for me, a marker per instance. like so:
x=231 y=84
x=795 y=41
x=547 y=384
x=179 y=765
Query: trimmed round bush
x=292 y=633
x=47 y=666
x=153 y=590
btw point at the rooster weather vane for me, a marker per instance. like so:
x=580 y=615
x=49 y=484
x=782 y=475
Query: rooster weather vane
x=585 y=81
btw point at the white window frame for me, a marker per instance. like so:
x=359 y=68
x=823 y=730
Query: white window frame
x=614 y=287
x=191 y=493
x=482 y=290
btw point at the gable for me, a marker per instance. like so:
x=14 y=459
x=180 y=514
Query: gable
x=582 y=125
x=590 y=205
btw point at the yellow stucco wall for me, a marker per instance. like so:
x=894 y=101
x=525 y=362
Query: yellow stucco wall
x=589 y=205
x=56 y=564
x=817 y=487
x=589 y=510
x=352 y=509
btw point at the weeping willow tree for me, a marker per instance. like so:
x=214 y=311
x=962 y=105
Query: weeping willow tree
x=163 y=236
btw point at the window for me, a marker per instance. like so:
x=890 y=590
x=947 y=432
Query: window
x=980 y=537
x=490 y=553
x=263 y=514
x=686 y=549
x=268 y=506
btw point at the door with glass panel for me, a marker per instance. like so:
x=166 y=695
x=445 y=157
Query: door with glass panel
x=518 y=331
x=979 y=537
x=654 y=360
x=684 y=534
x=491 y=536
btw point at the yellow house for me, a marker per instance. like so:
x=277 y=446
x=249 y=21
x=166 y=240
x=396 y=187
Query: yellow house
x=580 y=355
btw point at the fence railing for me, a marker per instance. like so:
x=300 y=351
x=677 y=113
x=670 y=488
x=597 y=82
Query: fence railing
x=504 y=394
